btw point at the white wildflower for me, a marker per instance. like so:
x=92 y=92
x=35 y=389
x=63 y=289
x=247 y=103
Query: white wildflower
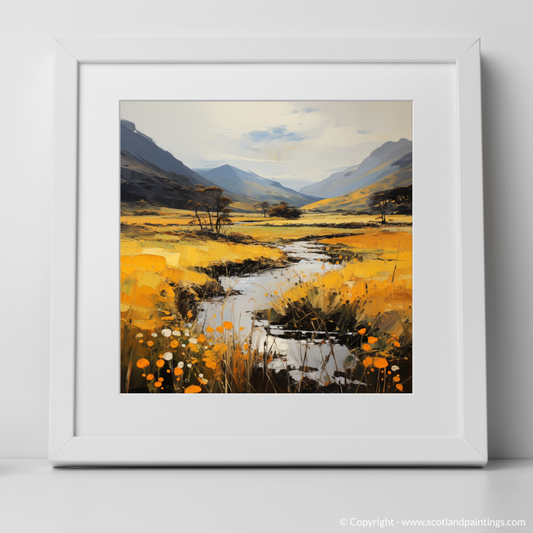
x=166 y=332
x=167 y=356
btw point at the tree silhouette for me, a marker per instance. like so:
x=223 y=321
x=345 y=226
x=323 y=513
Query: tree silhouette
x=263 y=207
x=381 y=201
x=284 y=210
x=211 y=209
x=384 y=200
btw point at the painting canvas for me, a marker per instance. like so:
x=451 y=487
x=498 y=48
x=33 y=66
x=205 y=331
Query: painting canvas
x=266 y=247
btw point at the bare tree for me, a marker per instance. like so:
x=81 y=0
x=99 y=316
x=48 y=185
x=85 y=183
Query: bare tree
x=380 y=200
x=385 y=200
x=263 y=207
x=211 y=209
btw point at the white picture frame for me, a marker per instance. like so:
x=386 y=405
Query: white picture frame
x=466 y=447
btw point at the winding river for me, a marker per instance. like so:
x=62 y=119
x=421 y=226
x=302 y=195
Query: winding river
x=320 y=355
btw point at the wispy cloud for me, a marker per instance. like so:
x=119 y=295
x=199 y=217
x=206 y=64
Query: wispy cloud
x=294 y=142
x=273 y=134
x=305 y=110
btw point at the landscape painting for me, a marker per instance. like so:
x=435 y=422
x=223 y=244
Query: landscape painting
x=266 y=247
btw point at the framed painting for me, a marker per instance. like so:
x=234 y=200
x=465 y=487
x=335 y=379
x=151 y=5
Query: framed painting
x=268 y=252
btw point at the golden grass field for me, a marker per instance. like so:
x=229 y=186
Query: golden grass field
x=362 y=290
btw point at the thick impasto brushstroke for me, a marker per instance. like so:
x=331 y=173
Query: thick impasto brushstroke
x=233 y=281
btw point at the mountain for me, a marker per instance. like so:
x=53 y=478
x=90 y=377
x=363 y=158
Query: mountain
x=251 y=185
x=371 y=170
x=322 y=188
x=141 y=148
x=398 y=173
x=154 y=175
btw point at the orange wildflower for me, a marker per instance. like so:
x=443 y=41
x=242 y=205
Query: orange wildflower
x=143 y=363
x=380 y=362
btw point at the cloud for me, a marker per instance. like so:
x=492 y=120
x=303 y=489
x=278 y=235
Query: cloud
x=273 y=134
x=296 y=142
x=305 y=110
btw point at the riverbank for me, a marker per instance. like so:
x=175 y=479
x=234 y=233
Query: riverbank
x=275 y=314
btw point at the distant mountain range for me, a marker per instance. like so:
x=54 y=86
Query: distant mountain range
x=373 y=168
x=253 y=186
x=154 y=175
x=322 y=188
x=387 y=167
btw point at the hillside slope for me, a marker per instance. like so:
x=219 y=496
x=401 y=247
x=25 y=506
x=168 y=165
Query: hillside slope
x=371 y=170
x=253 y=186
x=400 y=174
x=154 y=175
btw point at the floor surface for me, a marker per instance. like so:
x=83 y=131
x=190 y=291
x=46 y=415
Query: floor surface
x=37 y=498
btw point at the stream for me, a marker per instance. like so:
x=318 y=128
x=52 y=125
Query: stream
x=256 y=291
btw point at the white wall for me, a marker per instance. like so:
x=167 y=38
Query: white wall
x=27 y=31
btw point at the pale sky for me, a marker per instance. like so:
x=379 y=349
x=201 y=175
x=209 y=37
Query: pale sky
x=295 y=143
